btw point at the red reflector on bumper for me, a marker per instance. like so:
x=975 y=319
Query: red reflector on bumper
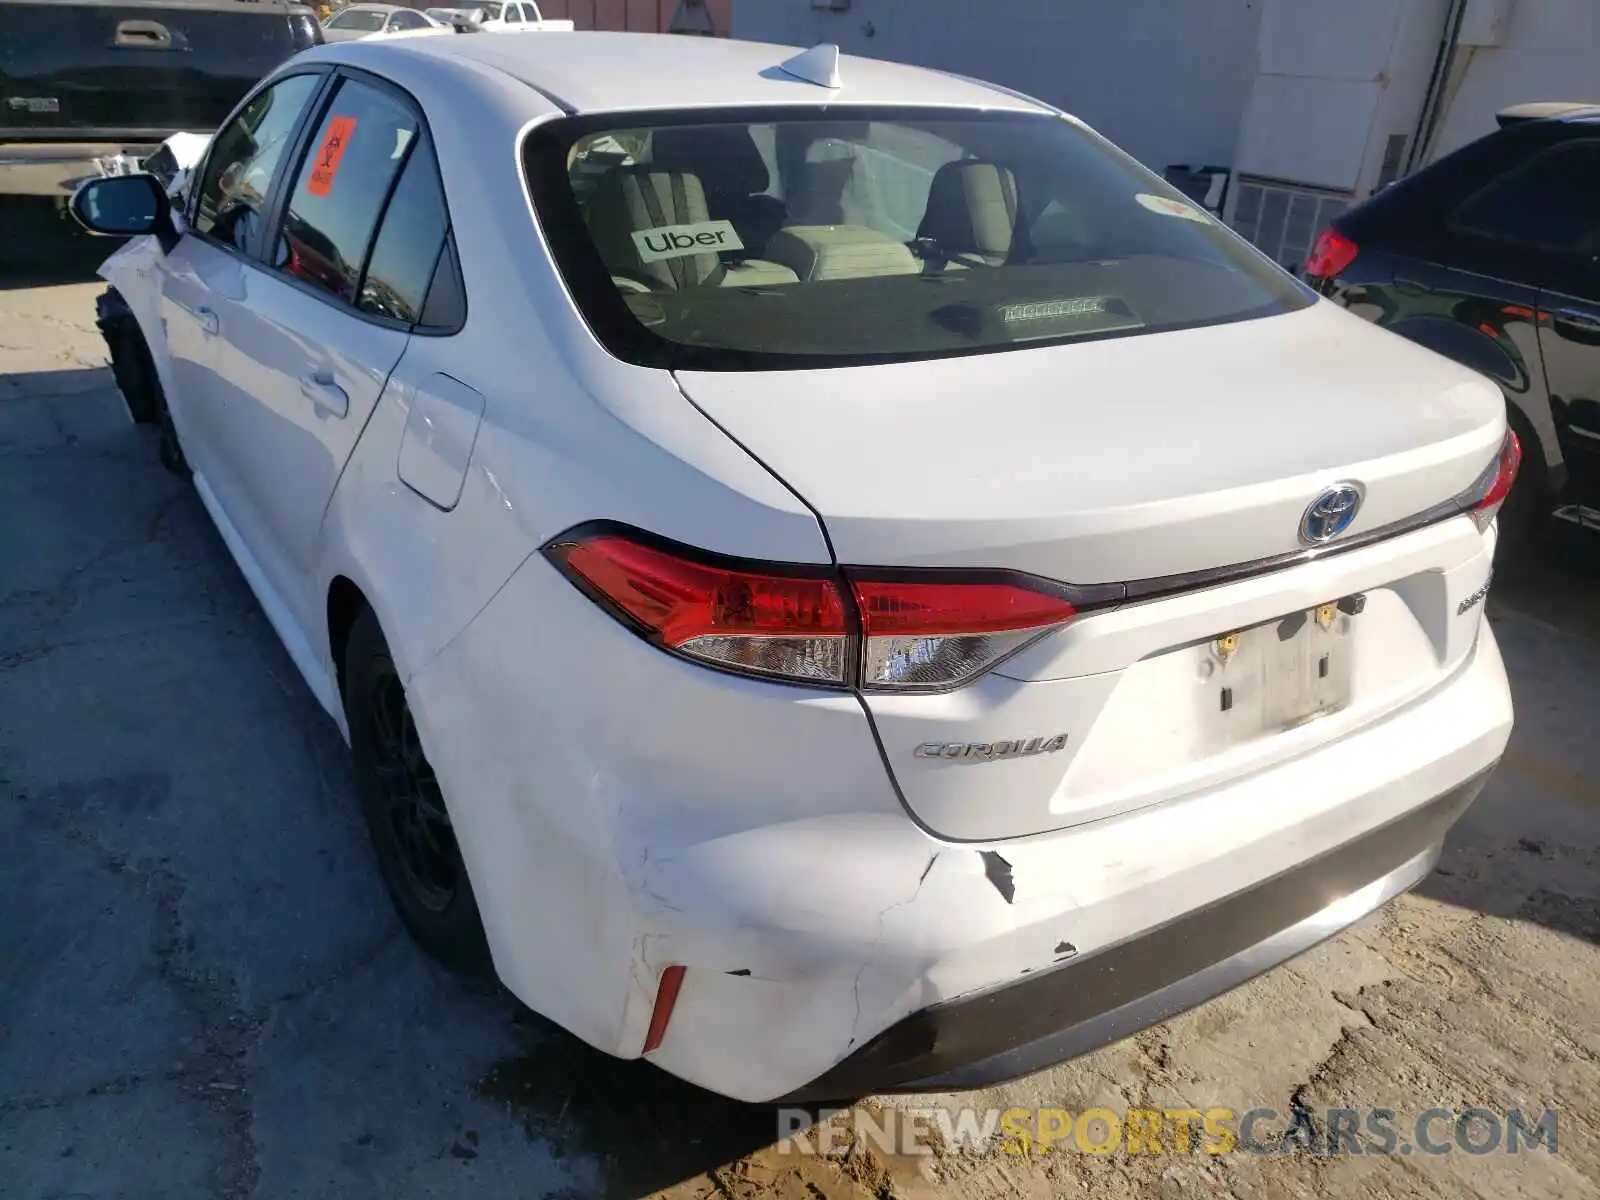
x=666 y=998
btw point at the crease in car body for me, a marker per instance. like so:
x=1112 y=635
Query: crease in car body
x=674 y=622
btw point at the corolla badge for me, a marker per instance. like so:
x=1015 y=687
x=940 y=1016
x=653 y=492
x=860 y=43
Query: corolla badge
x=1331 y=513
x=992 y=751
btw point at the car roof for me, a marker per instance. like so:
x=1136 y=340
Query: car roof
x=596 y=72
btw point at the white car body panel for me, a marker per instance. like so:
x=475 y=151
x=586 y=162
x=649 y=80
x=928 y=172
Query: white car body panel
x=622 y=810
x=1206 y=408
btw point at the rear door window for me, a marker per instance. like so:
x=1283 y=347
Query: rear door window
x=353 y=158
x=406 y=252
x=1552 y=201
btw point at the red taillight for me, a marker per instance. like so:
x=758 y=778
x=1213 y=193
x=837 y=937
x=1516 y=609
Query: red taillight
x=905 y=631
x=1484 y=498
x=1332 y=254
x=769 y=624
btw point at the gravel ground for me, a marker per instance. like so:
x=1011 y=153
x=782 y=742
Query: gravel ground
x=206 y=993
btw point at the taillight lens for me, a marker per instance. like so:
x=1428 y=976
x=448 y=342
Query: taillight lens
x=1484 y=498
x=1330 y=255
x=941 y=634
x=898 y=630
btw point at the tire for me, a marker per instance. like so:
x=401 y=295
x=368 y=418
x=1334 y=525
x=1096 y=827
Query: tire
x=1524 y=520
x=125 y=344
x=407 y=821
x=135 y=372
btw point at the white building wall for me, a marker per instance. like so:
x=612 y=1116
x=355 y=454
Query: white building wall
x=1551 y=51
x=1337 y=77
x=1164 y=79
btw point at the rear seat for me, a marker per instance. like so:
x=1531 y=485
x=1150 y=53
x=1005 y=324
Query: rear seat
x=818 y=252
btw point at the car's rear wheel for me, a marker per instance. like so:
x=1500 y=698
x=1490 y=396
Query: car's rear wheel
x=405 y=811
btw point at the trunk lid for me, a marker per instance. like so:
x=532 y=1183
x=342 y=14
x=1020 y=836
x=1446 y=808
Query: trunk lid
x=1134 y=459
x=1123 y=459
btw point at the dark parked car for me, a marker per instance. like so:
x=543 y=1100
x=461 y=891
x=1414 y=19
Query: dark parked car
x=86 y=81
x=1491 y=256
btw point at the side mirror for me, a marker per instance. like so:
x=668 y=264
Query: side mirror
x=125 y=206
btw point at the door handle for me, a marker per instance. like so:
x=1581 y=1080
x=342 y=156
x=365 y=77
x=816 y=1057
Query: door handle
x=1579 y=319
x=321 y=390
x=146 y=35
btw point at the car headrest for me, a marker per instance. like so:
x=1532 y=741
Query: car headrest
x=638 y=199
x=724 y=156
x=972 y=210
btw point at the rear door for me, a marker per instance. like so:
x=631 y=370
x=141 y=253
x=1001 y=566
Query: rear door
x=1566 y=182
x=322 y=321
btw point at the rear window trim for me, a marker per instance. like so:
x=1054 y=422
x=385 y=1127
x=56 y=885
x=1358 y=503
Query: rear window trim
x=543 y=157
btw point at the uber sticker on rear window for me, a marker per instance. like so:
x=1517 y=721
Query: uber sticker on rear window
x=340 y=130
x=1172 y=208
x=680 y=241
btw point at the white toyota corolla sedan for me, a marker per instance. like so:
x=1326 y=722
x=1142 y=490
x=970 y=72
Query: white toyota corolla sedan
x=834 y=577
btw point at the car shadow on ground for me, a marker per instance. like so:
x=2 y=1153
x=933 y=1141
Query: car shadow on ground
x=645 y=1129
x=1529 y=848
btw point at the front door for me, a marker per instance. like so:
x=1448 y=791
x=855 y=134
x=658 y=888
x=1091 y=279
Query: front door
x=204 y=275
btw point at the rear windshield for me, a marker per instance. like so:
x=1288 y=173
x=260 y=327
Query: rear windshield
x=793 y=237
x=363 y=21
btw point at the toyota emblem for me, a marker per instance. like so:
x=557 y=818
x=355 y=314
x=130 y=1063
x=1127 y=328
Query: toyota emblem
x=1330 y=514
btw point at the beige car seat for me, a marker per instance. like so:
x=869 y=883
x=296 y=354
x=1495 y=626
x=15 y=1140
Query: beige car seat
x=972 y=213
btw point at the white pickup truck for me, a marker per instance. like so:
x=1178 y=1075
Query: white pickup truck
x=509 y=16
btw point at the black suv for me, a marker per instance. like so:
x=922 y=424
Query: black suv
x=1491 y=256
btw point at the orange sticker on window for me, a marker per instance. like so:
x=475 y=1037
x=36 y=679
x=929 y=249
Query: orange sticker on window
x=326 y=166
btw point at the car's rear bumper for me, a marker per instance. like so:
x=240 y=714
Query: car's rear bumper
x=56 y=168
x=869 y=968
x=1089 y=1003
x=747 y=833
